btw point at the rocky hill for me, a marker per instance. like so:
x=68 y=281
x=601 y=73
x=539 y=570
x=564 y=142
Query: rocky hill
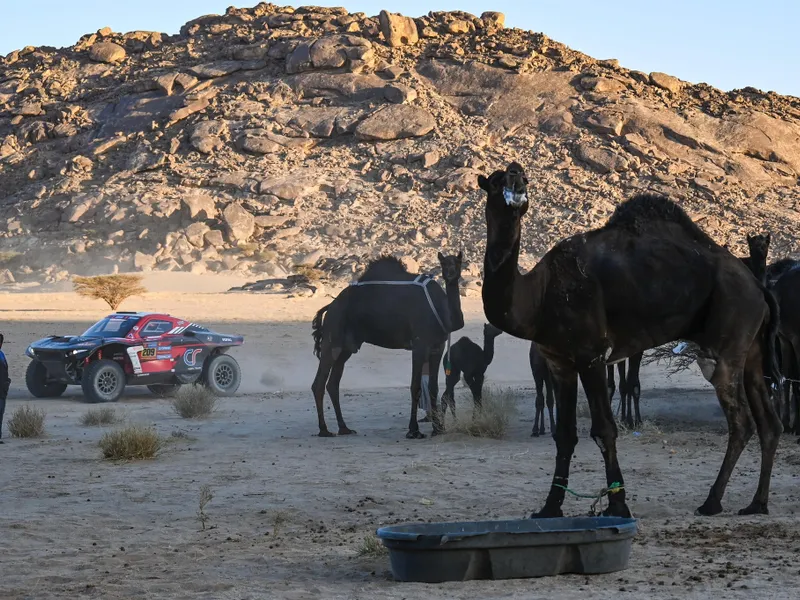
x=273 y=140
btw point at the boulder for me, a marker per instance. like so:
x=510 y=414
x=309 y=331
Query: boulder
x=601 y=159
x=395 y=122
x=206 y=136
x=606 y=122
x=239 y=222
x=214 y=238
x=666 y=82
x=290 y=187
x=398 y=30
x=217 y=69
x=107 y=52
x=144 y=262
x=399 y=94
x=352 y=53
x=602 y=85
x=195 y=233
x=493 y=20
x=201 y=206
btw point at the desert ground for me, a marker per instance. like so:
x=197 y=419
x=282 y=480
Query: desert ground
x=290 y=510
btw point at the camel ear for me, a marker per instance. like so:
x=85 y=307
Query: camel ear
x=460 y=255
x=440 y=256
x=483 y=183
x=769 y=238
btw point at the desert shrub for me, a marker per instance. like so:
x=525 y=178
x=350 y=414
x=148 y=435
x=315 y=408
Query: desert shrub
x=194 y=402
x=492 y=420
x=131 y=443
x=113 y=289
x=100 y=416
x=26 y=422
x=310 y=273
x=372 y=546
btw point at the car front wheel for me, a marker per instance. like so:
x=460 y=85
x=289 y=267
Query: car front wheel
x=37 y=380
x=222 y=375
x=103 y=381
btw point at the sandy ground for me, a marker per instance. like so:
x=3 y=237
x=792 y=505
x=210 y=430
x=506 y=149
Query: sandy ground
x=291 y=510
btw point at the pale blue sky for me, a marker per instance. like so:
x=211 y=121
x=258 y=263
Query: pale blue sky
x=727 y=43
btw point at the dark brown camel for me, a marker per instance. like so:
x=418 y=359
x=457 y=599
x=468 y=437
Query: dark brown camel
x=470 y=359
x=649 y=276
x=785 y=279
x=391 y=308
x=544 y=382
x=757 y=261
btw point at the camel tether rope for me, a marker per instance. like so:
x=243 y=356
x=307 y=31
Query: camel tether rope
x=422 y=281
x=606 y=491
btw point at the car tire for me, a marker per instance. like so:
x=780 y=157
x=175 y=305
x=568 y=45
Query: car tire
x=164 y=390
x=222 y=375
x=103 y=381
x=36 y=381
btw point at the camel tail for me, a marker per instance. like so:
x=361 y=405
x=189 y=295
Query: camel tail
x=317 y=329
x=771 y=367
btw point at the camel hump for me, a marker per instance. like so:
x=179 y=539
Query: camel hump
x=385 y=268
x=645 y=210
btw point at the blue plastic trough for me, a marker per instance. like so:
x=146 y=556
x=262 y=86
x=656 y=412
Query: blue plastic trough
x=436 y=552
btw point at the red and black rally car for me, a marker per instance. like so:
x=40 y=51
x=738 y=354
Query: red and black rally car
x=130 y=348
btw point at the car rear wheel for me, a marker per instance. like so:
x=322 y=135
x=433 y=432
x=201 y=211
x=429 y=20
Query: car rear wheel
x=164 y=390
x=39 y=384
x=222 y=375
x=103 y=381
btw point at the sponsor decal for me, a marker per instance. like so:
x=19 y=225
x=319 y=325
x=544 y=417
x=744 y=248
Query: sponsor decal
x=190 y=356
x=227 y=340
x=164 y=357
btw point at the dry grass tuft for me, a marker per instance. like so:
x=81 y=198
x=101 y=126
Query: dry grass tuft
x=492 y=421
x=278 y=518
x=100 y=416
x=26 y=422
x=114 y=289
x=372 y=547
x=673 y=363
x=206 y=496
x=194 y=402
x=310 y=273
x=131 y=443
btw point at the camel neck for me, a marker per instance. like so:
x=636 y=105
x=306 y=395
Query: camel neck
x=505 y=290
x=488 y=349
x=454 y=304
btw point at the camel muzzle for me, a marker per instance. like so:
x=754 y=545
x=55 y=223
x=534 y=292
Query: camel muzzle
x=513 y=198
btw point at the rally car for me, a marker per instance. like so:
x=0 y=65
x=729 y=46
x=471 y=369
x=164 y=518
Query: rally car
x=132 y=348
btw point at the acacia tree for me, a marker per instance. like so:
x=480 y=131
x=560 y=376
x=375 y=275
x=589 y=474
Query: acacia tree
x=114 y=289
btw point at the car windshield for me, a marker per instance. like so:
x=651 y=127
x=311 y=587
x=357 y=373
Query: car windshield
x=116 y=326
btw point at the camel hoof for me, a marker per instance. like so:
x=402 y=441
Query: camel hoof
x=617 y=509
x=756 y=508
x=439 y=431
x=534 y=433
x=425 y=420
x=326 y=433
x=709 y=509
x=347 y=431
x=415 y=435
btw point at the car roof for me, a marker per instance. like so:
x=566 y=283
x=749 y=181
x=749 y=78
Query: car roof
x=125 y=313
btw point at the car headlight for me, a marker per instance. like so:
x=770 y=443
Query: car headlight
x=79 y=351
x=29 y=351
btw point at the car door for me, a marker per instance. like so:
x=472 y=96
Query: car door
x=155 y=350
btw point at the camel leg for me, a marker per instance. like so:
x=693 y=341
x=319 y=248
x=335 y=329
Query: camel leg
x=566 y=437
x=787 y=368
x=634 y=388
x=740 y=429
x=768 y=425
x=538 y=426
x=318 y=389
x=624 y=394
x=610 y=379
x=604 y=434
x=450 y=383
x=550 y=401
x=434 y=359
x=419 y=354
x=333 y=390
x=794 y=397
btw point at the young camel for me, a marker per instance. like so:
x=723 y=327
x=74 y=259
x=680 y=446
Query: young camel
x=391 y=308
x=649 y=276
x=470 y=359
x=543 y=381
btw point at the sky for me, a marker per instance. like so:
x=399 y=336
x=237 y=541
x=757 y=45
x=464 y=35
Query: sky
x=726 y=43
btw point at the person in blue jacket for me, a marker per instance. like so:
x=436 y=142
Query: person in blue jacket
x=5 y=382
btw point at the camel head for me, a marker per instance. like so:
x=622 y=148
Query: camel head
x=451 y=267
x=506 y=189
x=758 y=245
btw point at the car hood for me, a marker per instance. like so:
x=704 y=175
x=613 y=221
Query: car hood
x=68 y=342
